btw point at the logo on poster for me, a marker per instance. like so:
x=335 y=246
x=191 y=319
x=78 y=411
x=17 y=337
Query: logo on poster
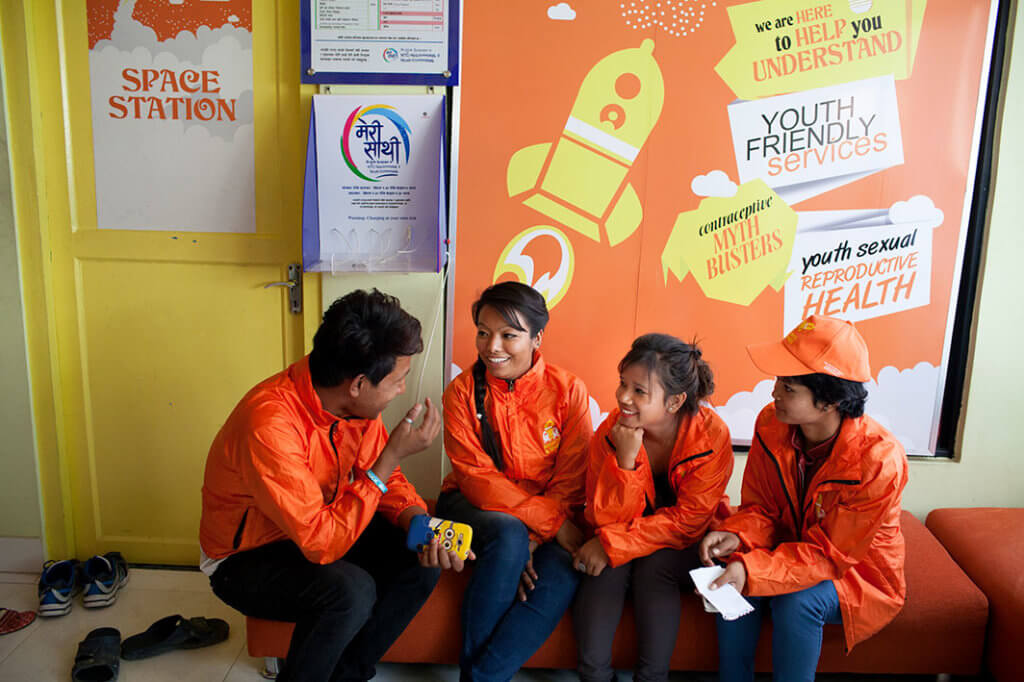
x=515 y=260
x=373 y=141
x=390 y=54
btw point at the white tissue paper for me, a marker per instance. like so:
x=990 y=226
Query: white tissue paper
x=725 y=600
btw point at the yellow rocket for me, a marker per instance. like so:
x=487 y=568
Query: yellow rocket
x=580 y=180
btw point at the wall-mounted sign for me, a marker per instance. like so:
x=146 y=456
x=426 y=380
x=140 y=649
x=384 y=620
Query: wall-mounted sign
x=409 y=42
x=172 y=115
x=374 y=193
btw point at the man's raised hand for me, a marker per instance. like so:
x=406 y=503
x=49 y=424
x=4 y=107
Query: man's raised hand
x=407 y=438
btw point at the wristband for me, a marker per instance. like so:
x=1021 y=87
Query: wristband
x=375 y=479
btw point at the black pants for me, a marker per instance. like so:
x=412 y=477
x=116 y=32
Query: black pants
x=658 y=582
x=346 y=614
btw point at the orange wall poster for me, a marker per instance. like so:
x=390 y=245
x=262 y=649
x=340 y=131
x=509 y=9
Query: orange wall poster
x=719 y=170
x=172 y=114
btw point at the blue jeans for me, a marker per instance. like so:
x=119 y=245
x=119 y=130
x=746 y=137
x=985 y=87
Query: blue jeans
x=797 y=621
x=499 y=632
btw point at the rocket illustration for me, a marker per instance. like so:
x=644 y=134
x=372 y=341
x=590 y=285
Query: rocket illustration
x=581 y=179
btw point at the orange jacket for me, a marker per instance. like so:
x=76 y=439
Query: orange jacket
x=542 y=421
x=698 y=470
x=846 y=528
x=283 y=467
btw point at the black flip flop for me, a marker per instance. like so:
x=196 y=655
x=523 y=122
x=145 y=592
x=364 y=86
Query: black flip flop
x=97 y=659
x=174 y=632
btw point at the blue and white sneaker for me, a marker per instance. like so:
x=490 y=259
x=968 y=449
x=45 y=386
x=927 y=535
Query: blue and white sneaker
x=103 y=575
x=58 y=584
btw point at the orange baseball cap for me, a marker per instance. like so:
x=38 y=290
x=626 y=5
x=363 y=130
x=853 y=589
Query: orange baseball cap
x=818 y=345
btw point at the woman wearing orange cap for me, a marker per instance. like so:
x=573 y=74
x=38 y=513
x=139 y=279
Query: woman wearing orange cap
x=817 y=535
x=516 y=431
x=658 y=469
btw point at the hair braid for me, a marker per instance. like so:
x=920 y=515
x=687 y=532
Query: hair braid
x=488 y=438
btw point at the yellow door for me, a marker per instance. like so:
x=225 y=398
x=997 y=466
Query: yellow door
x=150 y=337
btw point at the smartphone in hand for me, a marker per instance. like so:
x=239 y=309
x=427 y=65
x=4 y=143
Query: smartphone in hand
x=452 y=536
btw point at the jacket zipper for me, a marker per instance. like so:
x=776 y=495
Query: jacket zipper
x=511 y=465
x=804 y=489
x=689 y=459
x=238 y=533
x=778 y=469
x=330 y=437
x=337 y=459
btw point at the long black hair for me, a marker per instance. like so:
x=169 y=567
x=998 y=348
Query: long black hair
x=518 y=304
x=678 y=366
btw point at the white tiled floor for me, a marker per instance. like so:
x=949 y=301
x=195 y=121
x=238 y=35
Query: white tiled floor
x=45 y=650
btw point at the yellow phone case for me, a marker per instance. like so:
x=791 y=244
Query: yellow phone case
x=453 y=536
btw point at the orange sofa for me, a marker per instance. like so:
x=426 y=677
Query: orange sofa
x=940 y=630
x=988 y=543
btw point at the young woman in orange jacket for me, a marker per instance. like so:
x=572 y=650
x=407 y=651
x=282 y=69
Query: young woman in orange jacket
x=658 y=468
x=817 y=536
x=516 y=431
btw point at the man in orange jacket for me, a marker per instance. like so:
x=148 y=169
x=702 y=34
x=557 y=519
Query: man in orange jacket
x=817 y=535
x=305 y=509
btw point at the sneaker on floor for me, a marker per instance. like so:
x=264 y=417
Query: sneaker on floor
x=103 y=575
x=59 y=582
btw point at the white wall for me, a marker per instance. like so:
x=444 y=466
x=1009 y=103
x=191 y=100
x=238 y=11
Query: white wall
x=19 y=487
x=420 y=294
x=991 y=467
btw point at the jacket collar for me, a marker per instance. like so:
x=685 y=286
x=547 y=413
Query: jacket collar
x=691 y=433
x=691 y=438
x=844 y=462
x=303 y=381
x=528 y=381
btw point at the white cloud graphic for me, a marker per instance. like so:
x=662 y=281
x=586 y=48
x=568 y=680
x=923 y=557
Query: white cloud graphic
x=917 y=209
x=902 y=401
x=742 y=408
x=596 y=415
x=714 y=184
x=561 y=12
x=187 y=46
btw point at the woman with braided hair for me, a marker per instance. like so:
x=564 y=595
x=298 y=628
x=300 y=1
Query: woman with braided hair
x=658 y=468
x=516 y=431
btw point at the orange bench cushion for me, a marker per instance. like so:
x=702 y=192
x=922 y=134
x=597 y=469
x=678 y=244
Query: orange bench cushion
x=988 y=543
x=941 y=629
